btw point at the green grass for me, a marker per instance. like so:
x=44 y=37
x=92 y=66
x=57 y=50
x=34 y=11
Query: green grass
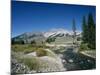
x=83 y=47
x=28 y=48
x=41 y=52
x=51 y=54
x=32 y=63
x=22 y=48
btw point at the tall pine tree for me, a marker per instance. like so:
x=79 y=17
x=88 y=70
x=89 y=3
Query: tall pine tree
x=74 y=31
x=85 y=31
x=91 y=32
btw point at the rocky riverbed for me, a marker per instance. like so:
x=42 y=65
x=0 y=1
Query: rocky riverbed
x=77 y=61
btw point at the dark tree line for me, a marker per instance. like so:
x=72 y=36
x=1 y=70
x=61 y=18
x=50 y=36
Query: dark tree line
x=22 y=42
x=74 y=31
x=49 y=40
x=17 y=42
x=89 y=33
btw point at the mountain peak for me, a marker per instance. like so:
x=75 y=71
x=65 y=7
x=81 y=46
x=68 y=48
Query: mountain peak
x=56 y=31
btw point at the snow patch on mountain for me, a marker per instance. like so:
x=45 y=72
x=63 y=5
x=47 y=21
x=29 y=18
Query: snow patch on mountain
x=57 y=31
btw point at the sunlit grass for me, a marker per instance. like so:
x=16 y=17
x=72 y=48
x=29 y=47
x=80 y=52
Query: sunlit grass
x=32 y=63
x=27 y=48
x=22 y=48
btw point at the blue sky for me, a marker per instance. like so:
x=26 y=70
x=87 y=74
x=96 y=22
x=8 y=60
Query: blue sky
x=34 y=16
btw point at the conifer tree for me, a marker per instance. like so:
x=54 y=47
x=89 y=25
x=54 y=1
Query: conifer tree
x=74 y=31
x=85 y=31
x=91 y=32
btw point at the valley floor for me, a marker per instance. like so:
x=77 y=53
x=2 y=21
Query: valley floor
x=59 y=59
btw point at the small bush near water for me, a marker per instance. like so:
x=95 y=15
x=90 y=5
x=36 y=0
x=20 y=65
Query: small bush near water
x=83 y=47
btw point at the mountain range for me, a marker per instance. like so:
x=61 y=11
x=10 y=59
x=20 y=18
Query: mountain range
x=60 y=34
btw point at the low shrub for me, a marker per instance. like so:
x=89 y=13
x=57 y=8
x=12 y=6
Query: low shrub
x=41 y=52
x=83 y=47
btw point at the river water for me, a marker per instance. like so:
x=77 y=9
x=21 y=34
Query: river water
x=77 y=61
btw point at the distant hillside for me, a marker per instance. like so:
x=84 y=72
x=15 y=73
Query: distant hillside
x=53 y=36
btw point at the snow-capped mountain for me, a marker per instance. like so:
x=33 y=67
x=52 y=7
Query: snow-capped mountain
x=54 y=32
x=59 y=31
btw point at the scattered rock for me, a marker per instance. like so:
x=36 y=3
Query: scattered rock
x=88 y=60
x=70 y=60
x=64 y=61
x=18 y=68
